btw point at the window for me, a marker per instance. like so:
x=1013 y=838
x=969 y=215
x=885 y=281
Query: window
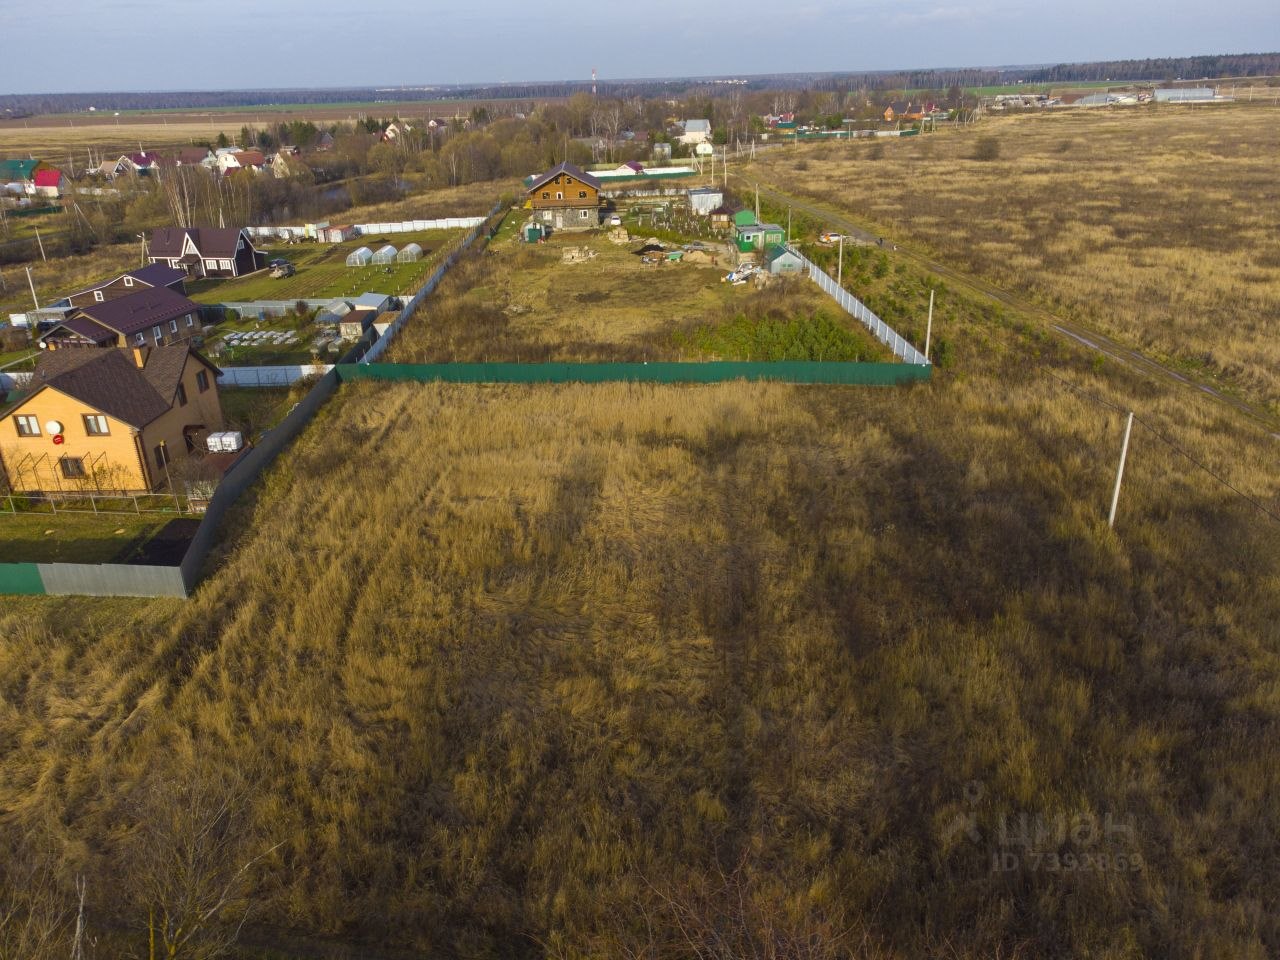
x=568 y=181
x=97 y=296
x=96 y=426
x=28 y=426
x=582 y=194
x=162 y=456
x=140 y=339
x=128 y=281
x=173 y=326
x=72 y=468
x=202 y=380
x=559 y=196
x=584 y=214
x=226 y=264
x=546 y=196
x=182 y=395
x=191 y=320
x=157 y=334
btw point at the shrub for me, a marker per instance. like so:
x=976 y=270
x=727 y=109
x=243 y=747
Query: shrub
x=987 y=149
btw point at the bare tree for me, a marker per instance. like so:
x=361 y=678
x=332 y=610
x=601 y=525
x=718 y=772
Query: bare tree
x=191 y=858
x=36 y=916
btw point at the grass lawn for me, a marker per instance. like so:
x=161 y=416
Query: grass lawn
x=521 y=302
x=253 y=411
x=72 y=537
x=322 y=271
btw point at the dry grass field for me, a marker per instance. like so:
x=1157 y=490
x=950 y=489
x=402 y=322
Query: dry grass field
x=638 y=671
x=1155 y=225
x=518 y=301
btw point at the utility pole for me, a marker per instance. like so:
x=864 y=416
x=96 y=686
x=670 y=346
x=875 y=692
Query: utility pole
x=32 y=285
x=1124 y=452
x=840 y=265
x=788 y=224
x=928 y=328
x=41 y=242
x=757 y=203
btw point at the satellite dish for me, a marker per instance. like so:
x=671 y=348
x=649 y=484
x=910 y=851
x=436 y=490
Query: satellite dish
x=53 y=426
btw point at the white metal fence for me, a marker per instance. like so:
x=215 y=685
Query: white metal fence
x=856 y=308
x=379 y=346
x=275 y=375
x=368 y=229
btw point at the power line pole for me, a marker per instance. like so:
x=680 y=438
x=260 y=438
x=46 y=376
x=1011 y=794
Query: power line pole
x=41 y=242
x=840 y=265
x=31 y=283
x=1124 y=452
x=928 y=330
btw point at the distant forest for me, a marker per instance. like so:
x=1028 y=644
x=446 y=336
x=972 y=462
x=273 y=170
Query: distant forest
x=1157 y=69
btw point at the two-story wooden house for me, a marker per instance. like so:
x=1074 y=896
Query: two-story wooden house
x=150 y=317
x=565 y=198
x=206 y=251
x=110 y=420
x=144 y=278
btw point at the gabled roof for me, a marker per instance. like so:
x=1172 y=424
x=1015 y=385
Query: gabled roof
x=209 y=241
x=697 y=126
x=566 y=167
x=110 y=381
x=157 y=275
x=249 y=158
x=11 y=170
x=138 y=311
x=84 y=327
x=193 y=155
x=48 y=178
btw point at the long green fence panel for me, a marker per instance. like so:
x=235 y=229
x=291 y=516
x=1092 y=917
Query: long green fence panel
x=21 y=578
x=783 y=371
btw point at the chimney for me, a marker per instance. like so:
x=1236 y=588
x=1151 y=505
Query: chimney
x=140 y=355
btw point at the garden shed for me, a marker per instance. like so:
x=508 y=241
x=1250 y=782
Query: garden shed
x=409 y=254
x=360 y=257
x=385 y=254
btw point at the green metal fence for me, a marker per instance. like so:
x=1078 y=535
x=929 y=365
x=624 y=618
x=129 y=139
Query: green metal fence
x=23 y=578
x=783 y=371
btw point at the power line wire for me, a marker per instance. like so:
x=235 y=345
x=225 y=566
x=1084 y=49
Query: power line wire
x=1174 y=445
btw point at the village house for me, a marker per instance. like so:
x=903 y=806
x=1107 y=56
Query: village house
x=721 y=219
x=395 y=131
x=20 y=176
x=779 y=259
x=144 y=278
x=241 y=160
x=149 y=317
x=565 y=198
x=702 y=200
x=110 y=420
x=206 y=251
x=905 y=110
x=288 y=164
x=695 y=131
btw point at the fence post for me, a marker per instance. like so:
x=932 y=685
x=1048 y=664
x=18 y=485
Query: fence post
x=137 y=509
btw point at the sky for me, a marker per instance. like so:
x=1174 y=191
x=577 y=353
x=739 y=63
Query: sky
x=238 y=44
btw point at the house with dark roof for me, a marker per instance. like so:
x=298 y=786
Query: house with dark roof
x=144 y=278
x=206 y=251
x=150 y=317
x=110 y=420
x=565 y=198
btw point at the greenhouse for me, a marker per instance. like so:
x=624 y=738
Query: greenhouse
x=410 y=254
x=385 y=254
x=359 y=257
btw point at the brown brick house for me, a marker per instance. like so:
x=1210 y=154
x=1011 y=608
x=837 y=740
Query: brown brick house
x=110 y=420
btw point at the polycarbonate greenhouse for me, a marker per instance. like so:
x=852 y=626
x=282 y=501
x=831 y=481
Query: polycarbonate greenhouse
x=359 y=257
x=385 y=254
x=410 y=253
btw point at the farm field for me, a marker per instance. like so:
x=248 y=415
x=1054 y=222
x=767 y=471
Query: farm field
x=322 y=272
x=519 y=301
x=637 y=661
x=1155 y=226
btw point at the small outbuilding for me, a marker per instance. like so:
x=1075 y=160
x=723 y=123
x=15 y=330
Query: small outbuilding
x=410 y=253
x=703 y=200
x=385 y=254
x=782 y=259
x=533 y=231
x=360 y=257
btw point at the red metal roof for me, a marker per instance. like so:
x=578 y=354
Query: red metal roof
x=48 y=178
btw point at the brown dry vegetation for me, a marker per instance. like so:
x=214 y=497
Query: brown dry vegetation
x=515 y=301
x=1156 y=225
x=574 y=656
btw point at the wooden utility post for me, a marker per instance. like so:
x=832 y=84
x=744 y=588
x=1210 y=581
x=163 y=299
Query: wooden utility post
x=41 y=242
x=1124 y=452
x=32 y=285
x=928 y=329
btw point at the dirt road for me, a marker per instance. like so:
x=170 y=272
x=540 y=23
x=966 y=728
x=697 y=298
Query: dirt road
x=1085 y=336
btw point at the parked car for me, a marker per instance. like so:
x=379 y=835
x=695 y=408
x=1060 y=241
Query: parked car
x=283 y=270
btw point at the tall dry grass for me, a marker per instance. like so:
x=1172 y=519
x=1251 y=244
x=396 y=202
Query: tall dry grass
x=1157 y=226
x=531 y=670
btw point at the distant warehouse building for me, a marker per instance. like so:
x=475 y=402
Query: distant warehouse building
x=1186 y=95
